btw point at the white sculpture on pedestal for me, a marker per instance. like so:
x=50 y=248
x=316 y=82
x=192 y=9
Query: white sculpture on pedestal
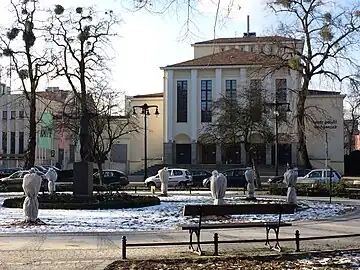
x=52 y=176
x=164 y=179
x=290 y=177
x=218 y=185
x=31 y=186
x=249 y=177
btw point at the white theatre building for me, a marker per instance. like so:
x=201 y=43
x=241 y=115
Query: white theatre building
x=227 y=65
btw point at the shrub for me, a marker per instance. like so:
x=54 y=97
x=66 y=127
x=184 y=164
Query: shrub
x=98 y=201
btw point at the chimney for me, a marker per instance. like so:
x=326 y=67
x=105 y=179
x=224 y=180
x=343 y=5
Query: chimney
x=248 y=25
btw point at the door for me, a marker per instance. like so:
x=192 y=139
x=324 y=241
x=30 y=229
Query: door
x=239 y=178
x=183 y=153
x=315 y=175
x=175 y=177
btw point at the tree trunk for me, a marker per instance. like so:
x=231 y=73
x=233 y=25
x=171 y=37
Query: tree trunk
x=302 y=148
x=100 y=172
x=30 y=154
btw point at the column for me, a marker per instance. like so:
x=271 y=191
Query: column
x=294 y=154
x=169 y=109
x=194 y=151
x=268 y=154
x=17 y=130
x=218 y=153
x=8 y=124
x=243 y=154
x=194 y=105
x=218 y=84
x=169 y=116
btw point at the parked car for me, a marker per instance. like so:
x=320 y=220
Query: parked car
x=47 y=167
x=320 y=175
x=235 y=178
x=112 y=177
x=5 y=172
x=198 y=177
x=177 y=177
x=280 y=178
x=17 y=179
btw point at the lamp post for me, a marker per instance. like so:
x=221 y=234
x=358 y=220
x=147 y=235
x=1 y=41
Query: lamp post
x=146 y=112
x=277 y=105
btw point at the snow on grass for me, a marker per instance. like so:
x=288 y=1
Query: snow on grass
x=167 y=215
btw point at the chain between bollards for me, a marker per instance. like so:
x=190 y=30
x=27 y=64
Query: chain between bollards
x=124 y=247
x=297 y=240
x=216 y=244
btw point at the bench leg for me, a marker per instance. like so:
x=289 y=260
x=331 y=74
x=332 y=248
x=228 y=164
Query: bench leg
x=277 y=244
x=191 y=246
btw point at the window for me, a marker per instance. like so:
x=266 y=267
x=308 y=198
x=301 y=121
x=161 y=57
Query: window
x=4 y=116
x=281 y=90
x=255 y=100
x=21 y=114
x=206 y=100
x=315 y=174
x=182 y=100
x=177 y=172
x=4 y=142
x=21 y=142
x=230 y=89
x=12 y=144
x=12 y=114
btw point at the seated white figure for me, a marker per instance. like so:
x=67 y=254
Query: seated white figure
x=218 y=185
x=31 y=186
x=52 y=176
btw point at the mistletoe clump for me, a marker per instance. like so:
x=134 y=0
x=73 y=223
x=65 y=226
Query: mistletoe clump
x=59 y=9
x=12 y=34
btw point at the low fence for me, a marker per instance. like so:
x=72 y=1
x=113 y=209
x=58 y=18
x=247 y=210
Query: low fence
x=215 y=242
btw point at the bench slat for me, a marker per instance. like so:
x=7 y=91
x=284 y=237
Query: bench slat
x=234 y=209
x=235 y=225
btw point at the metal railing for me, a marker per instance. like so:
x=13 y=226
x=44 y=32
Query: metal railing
x=215 y=242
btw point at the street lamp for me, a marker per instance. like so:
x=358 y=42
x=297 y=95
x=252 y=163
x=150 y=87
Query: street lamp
x=146 y=112
x=277 y=105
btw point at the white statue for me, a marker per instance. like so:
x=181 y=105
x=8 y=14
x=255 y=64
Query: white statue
x=164 y=179
x=218 y=185
x=31 y=186
x=290 y=177
x=51 y=176
x=249 y=177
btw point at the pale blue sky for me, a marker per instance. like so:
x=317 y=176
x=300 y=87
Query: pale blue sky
x=149 y=41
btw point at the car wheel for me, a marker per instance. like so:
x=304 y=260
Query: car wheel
x=151 y=184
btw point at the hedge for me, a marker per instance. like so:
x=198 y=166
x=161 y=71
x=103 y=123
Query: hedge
x=98 y=201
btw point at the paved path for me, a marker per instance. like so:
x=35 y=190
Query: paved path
x=96 y=250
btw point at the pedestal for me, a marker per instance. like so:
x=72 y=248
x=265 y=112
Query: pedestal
x=83 y=179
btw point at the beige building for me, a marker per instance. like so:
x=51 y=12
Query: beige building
x=227 y=66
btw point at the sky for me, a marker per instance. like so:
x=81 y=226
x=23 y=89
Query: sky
x=148 y=41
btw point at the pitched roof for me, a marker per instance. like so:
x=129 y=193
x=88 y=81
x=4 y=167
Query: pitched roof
x=154 y=95
x=226 y=58
x=246 y=40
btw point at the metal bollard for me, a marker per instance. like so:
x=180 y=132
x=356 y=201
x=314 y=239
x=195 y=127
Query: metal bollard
x=216 y=244
x=297 y=240
x=135 y=189
x=190 y=189
x=124 y=247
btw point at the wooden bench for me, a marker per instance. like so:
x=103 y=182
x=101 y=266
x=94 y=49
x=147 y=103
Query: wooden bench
x=236 y=209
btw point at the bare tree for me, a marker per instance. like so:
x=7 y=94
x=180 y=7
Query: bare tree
x=83 y=36
x=325 y=41
x=30 y=64
x=109 y=125
x=238 y=119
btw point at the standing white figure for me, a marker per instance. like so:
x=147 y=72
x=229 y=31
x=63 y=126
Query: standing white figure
x=218 y=185
x=249 y=177
x=51 y=176
x=164 y=179
x=290 y=177
x=31 y=186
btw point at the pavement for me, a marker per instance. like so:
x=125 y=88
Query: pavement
x=96 y=250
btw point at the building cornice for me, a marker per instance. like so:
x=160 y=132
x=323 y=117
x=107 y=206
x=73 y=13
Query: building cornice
x=210 y=67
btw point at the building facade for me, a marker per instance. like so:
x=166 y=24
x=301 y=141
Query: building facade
x=227 y=66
